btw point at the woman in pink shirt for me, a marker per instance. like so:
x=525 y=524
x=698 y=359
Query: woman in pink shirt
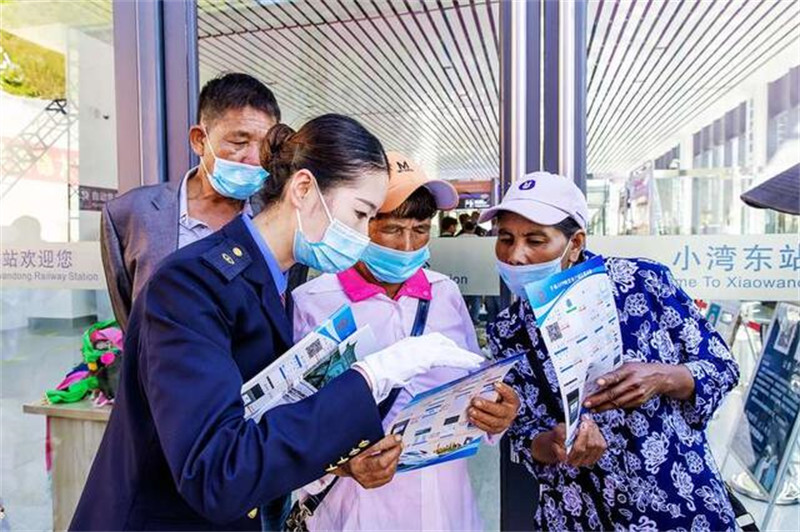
x=385 y=290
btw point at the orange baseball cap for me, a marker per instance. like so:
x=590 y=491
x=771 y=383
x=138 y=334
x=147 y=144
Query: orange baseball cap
x=405 y=176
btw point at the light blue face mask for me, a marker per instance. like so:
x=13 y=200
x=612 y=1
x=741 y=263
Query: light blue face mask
x=393 y=266
x=340 y=248
x=234 y=180
x=516 y=277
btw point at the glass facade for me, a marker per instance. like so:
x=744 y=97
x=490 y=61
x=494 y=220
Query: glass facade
x=58 y=167
x=685 y=114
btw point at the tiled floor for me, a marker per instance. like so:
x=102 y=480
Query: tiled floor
x=32 y=362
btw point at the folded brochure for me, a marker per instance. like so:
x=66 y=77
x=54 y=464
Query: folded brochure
x=322 y=355
x=577 y=315
x=434 y=424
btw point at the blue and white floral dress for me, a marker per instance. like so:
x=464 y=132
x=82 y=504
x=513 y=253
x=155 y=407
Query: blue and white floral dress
x=658 y=472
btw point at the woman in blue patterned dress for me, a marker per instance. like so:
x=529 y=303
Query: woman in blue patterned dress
x=641 y=461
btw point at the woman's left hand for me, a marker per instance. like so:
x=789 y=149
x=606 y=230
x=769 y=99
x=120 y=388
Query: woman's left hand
x=634 y=383
x=495 y=417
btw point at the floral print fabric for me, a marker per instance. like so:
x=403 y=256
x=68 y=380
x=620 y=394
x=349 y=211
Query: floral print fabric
x=658 y=472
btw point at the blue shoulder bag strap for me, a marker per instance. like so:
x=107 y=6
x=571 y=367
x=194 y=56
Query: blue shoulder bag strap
x=419 y=327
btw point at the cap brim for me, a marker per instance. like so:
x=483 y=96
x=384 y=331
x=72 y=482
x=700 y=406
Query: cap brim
x=445 y=195
x=537 y=212
x=780 y=193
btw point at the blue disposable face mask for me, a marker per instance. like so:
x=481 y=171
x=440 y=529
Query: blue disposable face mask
x=340 y=248
x=234 y=180
x=394 y=266
x=516 y=277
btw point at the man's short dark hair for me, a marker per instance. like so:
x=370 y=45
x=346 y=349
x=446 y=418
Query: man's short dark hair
x=463 y=217
x=468 y=227
x=420 y=205
x=449 y=223
x=235 y=91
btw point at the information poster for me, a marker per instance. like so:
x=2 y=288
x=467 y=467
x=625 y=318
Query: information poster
x=322 y=355
x=761 y=441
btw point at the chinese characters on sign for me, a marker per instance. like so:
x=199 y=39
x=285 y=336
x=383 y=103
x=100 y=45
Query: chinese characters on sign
x=745 y=267
x=93 y=198
x=729 y=267
x=755 y=258
x=68 y=265
x=41 y=258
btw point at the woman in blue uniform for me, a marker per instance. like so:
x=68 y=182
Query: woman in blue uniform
x=177 y=453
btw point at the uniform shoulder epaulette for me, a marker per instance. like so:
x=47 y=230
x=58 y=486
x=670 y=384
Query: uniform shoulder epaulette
x=228 y=258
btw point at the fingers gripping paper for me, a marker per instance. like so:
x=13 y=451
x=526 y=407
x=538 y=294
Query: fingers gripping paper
x=434 y=424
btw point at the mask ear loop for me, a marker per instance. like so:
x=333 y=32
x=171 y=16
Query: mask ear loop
x=324 y=206
x=322 y=199
x=210 y=147
x=564 y=253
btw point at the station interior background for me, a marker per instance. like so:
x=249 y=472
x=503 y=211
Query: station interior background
x=688 y=104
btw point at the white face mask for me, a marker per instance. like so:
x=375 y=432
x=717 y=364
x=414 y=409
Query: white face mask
x=232 y=179
x=340 y=248
x=516 y=277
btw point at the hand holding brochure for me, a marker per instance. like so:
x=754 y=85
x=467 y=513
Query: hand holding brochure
x=577 y=315
x=324 y=354
x=434 y=424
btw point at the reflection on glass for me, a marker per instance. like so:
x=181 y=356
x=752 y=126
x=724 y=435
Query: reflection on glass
x=684 y=115
x=58 y=160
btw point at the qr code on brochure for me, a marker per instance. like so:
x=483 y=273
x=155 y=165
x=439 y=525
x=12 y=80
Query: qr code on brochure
x=314 y=348
x=554 y=332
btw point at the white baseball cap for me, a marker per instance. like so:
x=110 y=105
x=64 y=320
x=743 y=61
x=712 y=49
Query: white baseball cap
x=543 y=198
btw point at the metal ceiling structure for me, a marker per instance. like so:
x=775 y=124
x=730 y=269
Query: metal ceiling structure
x=653 y=65
x=422 y=75
x=92 y=17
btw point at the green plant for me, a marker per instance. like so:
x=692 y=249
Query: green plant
x=29 y=69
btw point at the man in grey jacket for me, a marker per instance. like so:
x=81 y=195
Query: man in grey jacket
x=143 y=226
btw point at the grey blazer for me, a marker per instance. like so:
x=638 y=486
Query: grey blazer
x=137 y=231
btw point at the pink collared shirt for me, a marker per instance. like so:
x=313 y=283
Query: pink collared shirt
x=435 y=498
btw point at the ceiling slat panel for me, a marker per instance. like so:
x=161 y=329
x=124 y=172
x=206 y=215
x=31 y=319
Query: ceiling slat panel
x=422 y=75
x=687 y=56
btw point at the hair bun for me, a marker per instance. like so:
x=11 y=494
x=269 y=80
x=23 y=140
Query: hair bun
x=273 y=143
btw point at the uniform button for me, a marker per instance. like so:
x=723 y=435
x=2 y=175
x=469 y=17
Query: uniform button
x=253 y=513
x=363 y=444
x=343 y=460
x=331 y=468
x=354 y=451
x=237 y=251
x=228 y=258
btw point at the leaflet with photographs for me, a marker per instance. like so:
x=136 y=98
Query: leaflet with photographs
x=324 y=354
x=434 y=424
